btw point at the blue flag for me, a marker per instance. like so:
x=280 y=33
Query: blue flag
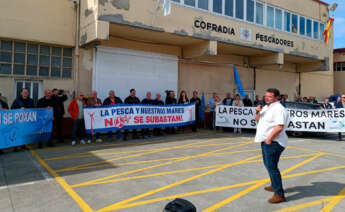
x=202 y=107
x=238 y=83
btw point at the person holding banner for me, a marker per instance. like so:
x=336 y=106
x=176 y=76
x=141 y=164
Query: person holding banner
x=147 y=101
x=158 y=101
x=75 y=109
x=132 y=99
x=212 y=106
x=340 y=104
x=196 y=100
x=22 y=102
x=46 y=102
x=270 y=132
x=237 y=103
x=170 y=100
x=327 y=105
x=113 y=100
x=3 y=106
x=95 y=102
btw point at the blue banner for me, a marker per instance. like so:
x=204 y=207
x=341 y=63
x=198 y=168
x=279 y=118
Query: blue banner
x=25 y=126
x=238 y=83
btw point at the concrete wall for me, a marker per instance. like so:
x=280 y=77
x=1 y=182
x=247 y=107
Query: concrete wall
x=38 y=20
x=181 y=21
x=209 y=78
x=339 y=76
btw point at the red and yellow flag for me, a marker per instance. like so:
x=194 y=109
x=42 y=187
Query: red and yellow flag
x=327 y=29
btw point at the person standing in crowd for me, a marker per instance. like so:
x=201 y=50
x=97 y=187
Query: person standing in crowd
x=75 y=109
x=227 y=100
x=312 y=100
x=211 y=106
x=3 y=99
x=327 y=105
x=299 y=99
x=158 y=101
x=23 y=102
x=147 y=101
x=270 y=132
x=113 y=100
x=247 y=102
x=95 y=102
x=46 y=102
x=3 y=106
x=217 y=102
x=183 y=99
x=237 y=103
x=196 y=100
x=257 y=100
x=132 y=99
x=340 y=105
x=170 y=100
x=305 y=100
x=59 y=98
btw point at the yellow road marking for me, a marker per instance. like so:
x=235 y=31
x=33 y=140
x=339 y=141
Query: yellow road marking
x=144 y=202
x=133 y=156
x=168 y=139
x=303 y=205
x=246 y=191
x=333 y=201
x=183 y=170
x=311 y=150
x=75 y=196
x=159 y=165
x=119 y=204
x=85 y=155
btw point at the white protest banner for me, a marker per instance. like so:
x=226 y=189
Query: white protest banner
x=117 y=117
x=331 y=120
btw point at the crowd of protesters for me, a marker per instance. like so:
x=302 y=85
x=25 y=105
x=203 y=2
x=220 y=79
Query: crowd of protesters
x=55 y=99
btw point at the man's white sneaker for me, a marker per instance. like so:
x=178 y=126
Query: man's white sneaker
x=74 y=143
x=89 y=141
x=82 y=141
x=98 y=140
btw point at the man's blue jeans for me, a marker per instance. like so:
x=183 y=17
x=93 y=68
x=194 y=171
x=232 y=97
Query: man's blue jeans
x=271 y=154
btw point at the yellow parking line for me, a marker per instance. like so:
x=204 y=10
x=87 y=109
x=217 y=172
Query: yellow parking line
x=85 y=155
x=159 y=165
x=119 y=204
x=333 y=201
x=246 y=191
x=185 y=170
x=169 y=139
x=75 y=196
x=303 y=205
x=144 y=202
x=133 y=156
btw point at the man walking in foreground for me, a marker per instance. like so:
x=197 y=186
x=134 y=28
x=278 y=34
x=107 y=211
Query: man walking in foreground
x=270 y=132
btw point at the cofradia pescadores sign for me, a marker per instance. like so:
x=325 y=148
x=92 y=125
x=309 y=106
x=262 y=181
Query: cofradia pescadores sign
x=332 y=120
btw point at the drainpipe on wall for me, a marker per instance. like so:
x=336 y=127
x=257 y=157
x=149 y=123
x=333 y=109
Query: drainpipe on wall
x=254 y=78
x=299 y=84
x=76 y=51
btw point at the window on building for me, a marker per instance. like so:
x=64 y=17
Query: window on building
x=30 y=59
x=322 y=29
x=239 y=9
x=250 y=10
x=279 y=19
x=287 y=21
x=342 y=66
x=301 y=25
x=217 y=6
x=229 y=8
x=259 y=17
x=270 y=17
x=189 y=2
x=294 y=23
x=316 y=30
x=5 y=57
x=203 y=4
x=176 y=1
x=309 y=32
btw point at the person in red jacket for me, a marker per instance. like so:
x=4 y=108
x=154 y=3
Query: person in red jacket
x=75 y=109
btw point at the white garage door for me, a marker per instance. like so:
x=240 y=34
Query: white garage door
x=123 y=69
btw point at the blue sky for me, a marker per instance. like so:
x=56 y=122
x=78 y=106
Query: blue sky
x=339 y=23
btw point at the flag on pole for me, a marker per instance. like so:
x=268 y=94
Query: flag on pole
x=238 y=83
x=166 y=7
x=327 y=29
x=202 y=107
